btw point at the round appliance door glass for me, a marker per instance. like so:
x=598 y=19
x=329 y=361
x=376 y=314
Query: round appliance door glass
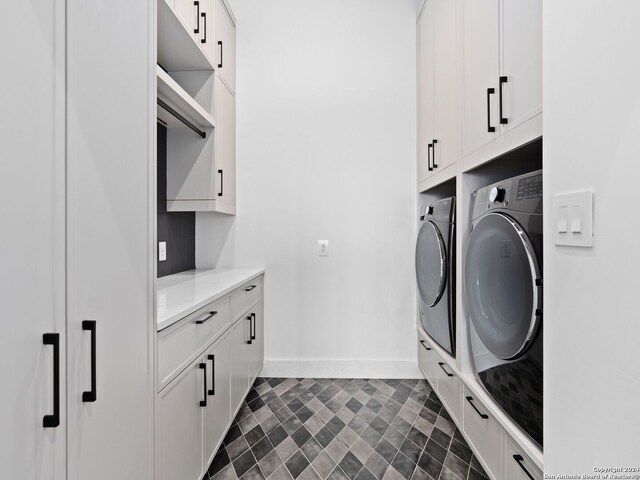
x=431 y=259
x=500 y=285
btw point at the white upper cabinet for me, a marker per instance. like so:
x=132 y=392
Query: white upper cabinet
x=502 y=62
x=225 y=146
x=226 y=45
x=481 y=57
x=207 y=29
x=439 y=79
x=188 y=11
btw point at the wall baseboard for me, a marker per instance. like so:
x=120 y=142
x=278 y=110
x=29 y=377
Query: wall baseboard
x=341 y=369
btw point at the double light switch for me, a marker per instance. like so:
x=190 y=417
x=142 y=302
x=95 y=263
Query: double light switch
x=572 y=217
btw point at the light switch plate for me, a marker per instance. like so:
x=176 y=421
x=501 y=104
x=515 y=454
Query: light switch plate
x=572 y=219
x=323 y=248
x=162 y=251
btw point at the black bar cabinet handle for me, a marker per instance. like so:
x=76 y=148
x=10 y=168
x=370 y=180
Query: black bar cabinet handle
x=425 y=345
x=196 y=4
x=53 y=339
x=503 y=120
x=520 y=460
x=429 y=147
x=220 y=44
x=490 y=128
x=253 y=321
x=221 y=183
x=203 y=366
x=202 y=320
x=250 y=288
x=212 y=390
x=204 y=17
x=442 y=367
x=482 y=415
x=250 y=341
x=91 y=395
x=434 y=154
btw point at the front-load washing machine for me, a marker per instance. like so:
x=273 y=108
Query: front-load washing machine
x=503 y=292
x=435 y=249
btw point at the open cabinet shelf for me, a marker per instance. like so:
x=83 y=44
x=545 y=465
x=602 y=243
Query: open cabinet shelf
x=177 y=99
x=177 y=50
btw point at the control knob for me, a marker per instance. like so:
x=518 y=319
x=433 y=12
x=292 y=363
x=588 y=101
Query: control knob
x=497 y=194
x=430 y=210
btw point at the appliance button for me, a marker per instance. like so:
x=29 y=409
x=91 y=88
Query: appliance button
x=497 y=194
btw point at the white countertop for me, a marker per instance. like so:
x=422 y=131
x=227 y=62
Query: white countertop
x=183 y=293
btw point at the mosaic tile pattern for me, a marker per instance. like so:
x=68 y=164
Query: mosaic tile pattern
x=343 y=429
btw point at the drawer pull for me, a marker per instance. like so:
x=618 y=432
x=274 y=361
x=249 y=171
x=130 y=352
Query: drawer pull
x=203 y=366
x=425 y=345
x=212 y=390
x=482 y=415
x=520 y=460
x=250 y=341
x=202 y=320
x=91 y=395
x=503 y=120
x=442 y=367
x=53 y=421
x=250 y=288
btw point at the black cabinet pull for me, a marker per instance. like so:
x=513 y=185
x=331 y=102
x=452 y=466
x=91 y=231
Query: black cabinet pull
x=253 y=321
x=212 y=390
x=203 y=366
x=429 y=147
x=482 y=415
x=204 y=17
x=490 y=128
x=53 y=339
x=442 y=367
x=196 y=4
x=425 y=345
x=520 y=460
x=220 y=44
x=250 y=288
x=221 y=182
x=503 y=120
x=250 y=341
x=91 y=395
x=202 y=320
x=434 y=154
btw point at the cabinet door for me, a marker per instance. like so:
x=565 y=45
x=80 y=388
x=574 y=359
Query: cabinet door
x=225 y=45
x=484 y=433
x=217 y=413
x=32 y=186
x=426 y=133
x=481 y=47
x=240 y=359
x=179 y=427
x=188 y=12
x=521 y=39
x=207 y=37
x=447 y=80
x=449 y=388
x=517 y=466
x=257 y=345
x=225 y=143
x=427 y=363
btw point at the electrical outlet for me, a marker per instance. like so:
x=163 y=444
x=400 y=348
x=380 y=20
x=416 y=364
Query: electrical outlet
x=162 y=251
x=323 y=248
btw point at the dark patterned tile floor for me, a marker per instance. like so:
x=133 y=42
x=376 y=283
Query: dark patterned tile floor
x=343 y=429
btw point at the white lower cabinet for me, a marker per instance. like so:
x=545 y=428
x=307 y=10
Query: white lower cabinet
x=449 y=388
x=427 y=362
x=257 y=341
x=483 y=433
x=517 y=466
x=240 y=358
x=218 y=411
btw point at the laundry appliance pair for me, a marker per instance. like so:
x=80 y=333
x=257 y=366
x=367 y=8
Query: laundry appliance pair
x=502 y=283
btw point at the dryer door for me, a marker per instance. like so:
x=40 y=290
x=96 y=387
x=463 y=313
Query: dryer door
x=500 y=286
x=431 y=264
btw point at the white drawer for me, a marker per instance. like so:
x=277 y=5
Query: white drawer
x=178 y=344
x=246 y=296
x=517 y=466
x=484 y=433
x=449 y=387
x=427 y=362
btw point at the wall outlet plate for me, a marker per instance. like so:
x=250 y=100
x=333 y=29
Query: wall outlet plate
x=323 y=248
x=162 y=251
x=572 y=219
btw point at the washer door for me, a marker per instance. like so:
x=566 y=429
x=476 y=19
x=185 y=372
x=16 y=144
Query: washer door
x=431 y=261
x=500 y=286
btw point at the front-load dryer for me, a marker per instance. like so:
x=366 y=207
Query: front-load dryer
x=435 y=249
x=503 y=292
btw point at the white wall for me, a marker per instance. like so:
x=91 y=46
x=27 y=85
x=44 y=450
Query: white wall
x=326 y=106
x=592 y=321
